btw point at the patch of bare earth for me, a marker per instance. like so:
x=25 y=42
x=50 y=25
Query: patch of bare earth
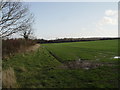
x=8 y=78
x=83 y=64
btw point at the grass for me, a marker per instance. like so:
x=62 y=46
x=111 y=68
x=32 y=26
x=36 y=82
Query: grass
x=103 y=50
x=33 y=63
x=40 y=69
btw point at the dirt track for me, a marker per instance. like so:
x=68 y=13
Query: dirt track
x=33 y=48
x=84 y=64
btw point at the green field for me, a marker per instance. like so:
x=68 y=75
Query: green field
x=42 y=68
x=93 y=50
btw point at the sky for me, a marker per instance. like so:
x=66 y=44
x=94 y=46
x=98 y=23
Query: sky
x=74 y=19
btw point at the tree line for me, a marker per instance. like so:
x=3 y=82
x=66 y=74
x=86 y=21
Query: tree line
x=72 y=40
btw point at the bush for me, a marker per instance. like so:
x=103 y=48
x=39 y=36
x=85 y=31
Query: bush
x=12 y=46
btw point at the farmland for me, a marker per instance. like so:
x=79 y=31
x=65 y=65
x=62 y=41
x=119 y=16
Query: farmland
x=102 y=50
x=52 y=65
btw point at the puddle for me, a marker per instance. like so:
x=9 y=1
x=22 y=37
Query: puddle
x=79 y=59
x=97 y=59
x=83 y=64
x=116 y=57
x=86 y=68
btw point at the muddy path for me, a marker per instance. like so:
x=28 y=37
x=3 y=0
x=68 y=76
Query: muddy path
x=32 y=48
x=84 y=64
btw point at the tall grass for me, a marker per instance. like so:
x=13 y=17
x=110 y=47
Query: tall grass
x=12 y=46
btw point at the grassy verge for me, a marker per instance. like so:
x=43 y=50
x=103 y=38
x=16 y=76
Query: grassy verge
x=30 y=67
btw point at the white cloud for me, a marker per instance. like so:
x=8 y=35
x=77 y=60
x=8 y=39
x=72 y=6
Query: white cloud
x=108 y=23
x=83 y=29
x=110 y=18
x=111 y=12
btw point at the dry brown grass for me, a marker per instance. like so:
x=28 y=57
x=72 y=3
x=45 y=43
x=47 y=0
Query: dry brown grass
x=33 y=48
x=22 y=69
x=12 y=46
x=9 y=79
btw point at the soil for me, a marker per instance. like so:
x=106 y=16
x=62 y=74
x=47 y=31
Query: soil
x=83 y=64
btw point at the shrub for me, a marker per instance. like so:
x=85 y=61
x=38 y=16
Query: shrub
x=12 y=46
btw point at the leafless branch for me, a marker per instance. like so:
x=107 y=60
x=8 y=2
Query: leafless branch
x=15 y=18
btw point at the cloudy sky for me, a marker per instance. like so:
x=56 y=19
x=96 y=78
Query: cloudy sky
x=74 y=19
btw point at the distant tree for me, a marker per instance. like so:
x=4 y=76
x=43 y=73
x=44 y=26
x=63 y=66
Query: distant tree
x=28 y=33
x=15 y=17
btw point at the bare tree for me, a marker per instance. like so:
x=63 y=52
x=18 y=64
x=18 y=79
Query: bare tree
x=27 y=33
x=15 y=17
x=28 y=30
